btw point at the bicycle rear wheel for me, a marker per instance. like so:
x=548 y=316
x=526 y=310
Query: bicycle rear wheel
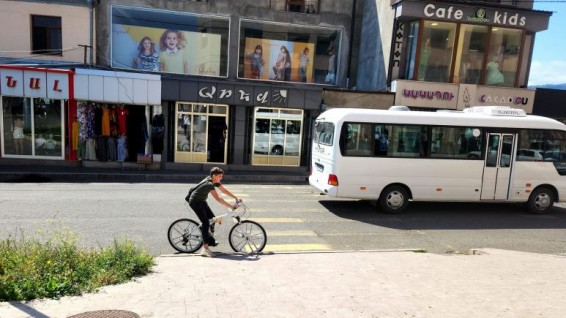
x=185 y=235
x=248 y=236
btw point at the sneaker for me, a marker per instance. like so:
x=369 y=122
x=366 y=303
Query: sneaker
x=206 y=253
x=212 y=242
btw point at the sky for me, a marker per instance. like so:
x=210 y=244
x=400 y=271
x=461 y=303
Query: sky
x=548 y=65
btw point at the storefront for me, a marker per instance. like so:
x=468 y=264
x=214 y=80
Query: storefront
x=240 y=124
x=477 y=43
x=34 y=103
x=424 y=95
x=118 y=117
x=218 y=107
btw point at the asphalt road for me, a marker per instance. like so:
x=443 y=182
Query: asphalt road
x=295 y=218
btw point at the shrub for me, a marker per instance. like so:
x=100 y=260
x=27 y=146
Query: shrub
x=31 y=268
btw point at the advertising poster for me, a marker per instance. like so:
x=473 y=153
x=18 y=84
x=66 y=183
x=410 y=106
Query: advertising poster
x=165 y=50
x=278 y=60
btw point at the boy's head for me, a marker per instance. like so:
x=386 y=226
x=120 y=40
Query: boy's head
x=216 y=171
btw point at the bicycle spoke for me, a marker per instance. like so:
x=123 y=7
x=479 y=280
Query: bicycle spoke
x=185 y=236
x=247 y=237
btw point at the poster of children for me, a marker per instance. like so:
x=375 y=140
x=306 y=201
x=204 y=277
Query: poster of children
x=278 y=60
x=165 y=50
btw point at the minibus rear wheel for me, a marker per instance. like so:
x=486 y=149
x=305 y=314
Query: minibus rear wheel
x=394 y=199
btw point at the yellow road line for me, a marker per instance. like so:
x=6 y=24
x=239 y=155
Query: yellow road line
x=295 y=247
x=291 y=233
x=278 y=220
x=294 y=210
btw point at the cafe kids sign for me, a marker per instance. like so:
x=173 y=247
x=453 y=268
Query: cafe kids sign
x=34 y=82
x=531 y=20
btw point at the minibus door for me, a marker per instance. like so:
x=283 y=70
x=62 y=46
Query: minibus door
x=497 y=166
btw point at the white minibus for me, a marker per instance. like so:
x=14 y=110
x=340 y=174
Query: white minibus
x=481 y=154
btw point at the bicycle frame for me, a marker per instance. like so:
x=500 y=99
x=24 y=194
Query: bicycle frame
x=245 y=235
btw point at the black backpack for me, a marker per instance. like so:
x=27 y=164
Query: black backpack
x=192 y=189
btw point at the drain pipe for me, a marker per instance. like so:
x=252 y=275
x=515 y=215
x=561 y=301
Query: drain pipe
x=91 y=13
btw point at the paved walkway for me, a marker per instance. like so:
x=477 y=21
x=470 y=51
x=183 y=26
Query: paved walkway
x=42 y=173
x=495 y=283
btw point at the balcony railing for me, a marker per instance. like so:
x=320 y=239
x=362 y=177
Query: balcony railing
x=301 y=6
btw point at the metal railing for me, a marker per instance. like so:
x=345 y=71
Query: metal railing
x=300 y=6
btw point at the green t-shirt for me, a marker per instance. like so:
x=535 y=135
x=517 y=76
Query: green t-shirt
x=202 y=190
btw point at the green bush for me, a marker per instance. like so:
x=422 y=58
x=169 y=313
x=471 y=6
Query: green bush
x=31 y=268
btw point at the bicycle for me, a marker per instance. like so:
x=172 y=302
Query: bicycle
x=185 y=235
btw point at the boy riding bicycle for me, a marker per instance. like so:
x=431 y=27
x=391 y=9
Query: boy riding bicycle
x=197 y=202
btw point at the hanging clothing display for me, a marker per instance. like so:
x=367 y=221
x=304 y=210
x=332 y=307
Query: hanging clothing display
x=105 y=121
x=157 y=133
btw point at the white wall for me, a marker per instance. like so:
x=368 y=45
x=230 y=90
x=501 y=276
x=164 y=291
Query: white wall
x=15 y=23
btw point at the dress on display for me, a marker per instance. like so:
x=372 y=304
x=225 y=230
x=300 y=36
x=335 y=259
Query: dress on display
x=121 y=148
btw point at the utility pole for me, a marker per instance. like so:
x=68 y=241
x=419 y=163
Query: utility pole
x=85 y=47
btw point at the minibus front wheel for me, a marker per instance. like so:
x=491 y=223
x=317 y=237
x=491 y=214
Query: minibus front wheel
x=541 y=200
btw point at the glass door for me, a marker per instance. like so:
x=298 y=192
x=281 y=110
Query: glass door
x=497 y=168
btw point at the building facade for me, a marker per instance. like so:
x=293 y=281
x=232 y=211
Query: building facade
x=190 y=84
x=239 y=82
x=450 y=54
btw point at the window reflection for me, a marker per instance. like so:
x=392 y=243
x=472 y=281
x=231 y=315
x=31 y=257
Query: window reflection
x=277 y=137
x=32 y=127
x=503 y=57
x=201 y=133
x=282 y=52
x=435 y=55
x=471 y=45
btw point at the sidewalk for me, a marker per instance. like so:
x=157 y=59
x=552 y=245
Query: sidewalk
x=494 y=283
x=42 y=173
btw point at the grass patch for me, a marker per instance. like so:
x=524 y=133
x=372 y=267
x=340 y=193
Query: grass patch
x=53 y=267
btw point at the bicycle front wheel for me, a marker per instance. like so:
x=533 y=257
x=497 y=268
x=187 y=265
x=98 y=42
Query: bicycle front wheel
x=185 y=235
x=248 y=236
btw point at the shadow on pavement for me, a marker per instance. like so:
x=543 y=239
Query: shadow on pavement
x=427 y=215
x=27 y=309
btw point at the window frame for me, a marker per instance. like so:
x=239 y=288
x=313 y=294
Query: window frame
x=51 y=33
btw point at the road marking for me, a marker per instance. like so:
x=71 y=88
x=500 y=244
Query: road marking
x=278 y=220
x=291 y=233
x=288 y=211
x=295 y=247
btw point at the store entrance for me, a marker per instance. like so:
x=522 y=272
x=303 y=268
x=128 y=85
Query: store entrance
x=217 y=130
x=114 y=132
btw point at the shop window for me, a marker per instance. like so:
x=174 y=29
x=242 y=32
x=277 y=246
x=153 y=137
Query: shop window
x=483 y=55
x=503 y=59
x=32 y=127
x=435 y=55
x=301 y=6
x=412 y=49
x=471 y=51
x=201 y=133
x=171 y=42
x=291 y=53
x=277 y=137
x=46 y=35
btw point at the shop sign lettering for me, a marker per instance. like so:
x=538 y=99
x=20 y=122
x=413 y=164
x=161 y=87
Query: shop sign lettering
x=263 y=98
x=225 y=93
x=514 y=100
x=205 y=92
x=423 y=94
x=452 y=13
x=431 y=11
x=244 y=96
x=34 y=83
x=11 y=82
x=398 y=51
